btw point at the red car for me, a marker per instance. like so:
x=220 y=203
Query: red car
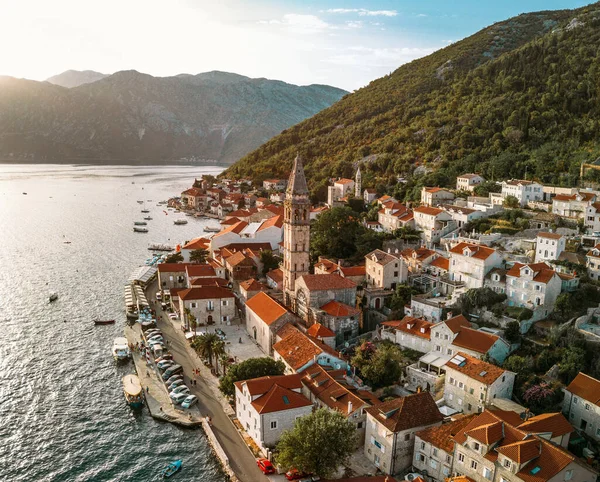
x=265 y=466
x=295 y=474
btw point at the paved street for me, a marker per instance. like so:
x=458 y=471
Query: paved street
x=242 y=461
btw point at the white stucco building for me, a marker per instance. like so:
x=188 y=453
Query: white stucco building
x=524 y=191
x=467 y=182
x=470 y=263
x=548 y=246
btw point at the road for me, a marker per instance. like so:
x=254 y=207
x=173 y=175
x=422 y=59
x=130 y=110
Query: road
x=241 y=460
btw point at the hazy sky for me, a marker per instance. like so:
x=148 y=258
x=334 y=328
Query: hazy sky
x=341 y=43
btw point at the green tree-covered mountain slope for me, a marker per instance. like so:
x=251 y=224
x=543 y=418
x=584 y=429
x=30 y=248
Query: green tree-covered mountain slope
x=522 y=94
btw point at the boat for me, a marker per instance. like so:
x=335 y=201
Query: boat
x=140 y=230
x=172 y=469
x=180 y=221
x=132 y=314
x=211 y=229
x=140 y=202
x=145 y=211
x=104 y=322
x=66 y=242
x=24 y=194
x=132 y=389
x=140 y=223
x=120 y=349
x=148 y=218
x=160 y=247
x=53 y=297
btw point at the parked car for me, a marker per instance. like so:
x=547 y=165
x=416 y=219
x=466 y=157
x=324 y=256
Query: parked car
x=152 y=332
x=221 y=334
x=180 y=388
x=189 y=401
x=172 y=370
x=158 y=295
x=166 y=356
x=178 y=397
x=265 y=466
x=183 y=389
x=175 y=384
x=155 y=338
x=295 y=474
x=163 y=365
x=173 y=379
x=173 y=316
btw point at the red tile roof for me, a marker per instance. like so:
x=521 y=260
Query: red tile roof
x=585 y=387
x=230 y=221
x=193 y=191
x=335 y=308
x=234 y=228
x=479 y=252
x=261 y=385
x=298 y=349
x=476 y=369
x=343 y=181
x=521 y=451
x=198 y=243
x=353 y=270
x=238 y=258
x=172 y=267
x=205 y=293
x=317 y=330
x=555 y=423
x=272 y=222
x=543 y=273
x=278 y=399
x=413 y=326
x=266 y=308
x=233 y=247
x=200 y=271
x=276 y=275
x=253 y=285
x=420 y=254
x=209 y=282
x=429 y=211
x=403 y=413
x=475 y=340
x=442 y=263
x=487 y=434
x=549 y=235
x=319 y=282
x=457 y=323
x=441 y=437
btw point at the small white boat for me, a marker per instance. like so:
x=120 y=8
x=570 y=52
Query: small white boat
x=211 y=229
x=180 y=221
x=120 y=349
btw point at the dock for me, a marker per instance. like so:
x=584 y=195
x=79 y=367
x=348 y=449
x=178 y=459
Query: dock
x=157 y=398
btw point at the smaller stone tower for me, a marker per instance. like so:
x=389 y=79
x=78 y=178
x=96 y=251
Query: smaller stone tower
x=358 y=184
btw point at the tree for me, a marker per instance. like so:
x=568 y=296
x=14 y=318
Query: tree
x=174 y=258
x=204 y=345
x=379 y=366
x=511 y=202
x=269 y=261
x=334 y=234
x=512 y=333
x=218 y=350
x=542 y=397
x=191 y=320
x=572 y=362
x=401 y=297
x=198 y=256
x=476 y=298
x=318 y=443
x=485 y=188
x=248 y=369
x=520 y=365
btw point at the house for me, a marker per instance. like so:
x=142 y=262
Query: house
x=572 y=205
x=592 y=262
x=524 y=191
x=193 y=245
x=275 y=184
x=342 y=319
x=266 y=231
x=268 y=406
x=355 y=273
x=467 y=182
x=329 y=389
x=427 y=374
x=417 y=259
x=462 y=215
x=498 y=446
x=316 y=211
x=434 y=448
x=472 y=384
x=264 y=317
x=394 y=215
x=251 y=287
x=409 y=333
x=343 y=187
x=197 y=271
x=470 y=263
x=432 y=196
x=369 y=195
x=549 y=246
x=433 y=223
x=431 y=308
x=592 y=217
x=172 y=275
x=391 y=428
x=298 y=351
x=207 y=304
x=385 y=270
x=534 y=286
x=275 y=279
x=315 y=290
x=322 y=333
x=581 y=404
x=194 y=198
x=240 y=267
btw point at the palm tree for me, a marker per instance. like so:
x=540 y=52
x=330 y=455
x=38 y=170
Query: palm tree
x=218 y=350
x=204 y=345
x=224 y=362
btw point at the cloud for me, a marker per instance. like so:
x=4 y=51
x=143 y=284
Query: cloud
x=299 y=23
x=368 y=57
x=421 y=15
x=363 y=12
x=354 y=24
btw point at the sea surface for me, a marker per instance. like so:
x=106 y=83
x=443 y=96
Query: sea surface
x=62 y=412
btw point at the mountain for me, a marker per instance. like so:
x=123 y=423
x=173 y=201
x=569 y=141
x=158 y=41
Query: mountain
x=129 y=117
x=74 y=78
x=520 y=97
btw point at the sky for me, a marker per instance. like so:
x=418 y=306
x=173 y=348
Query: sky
x=341 y=43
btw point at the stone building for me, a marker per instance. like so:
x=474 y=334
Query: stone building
x=582 y=404
x=315 y=290
x=208 y=304
x=264 y=318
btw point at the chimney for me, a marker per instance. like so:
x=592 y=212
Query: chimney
x=349 y=407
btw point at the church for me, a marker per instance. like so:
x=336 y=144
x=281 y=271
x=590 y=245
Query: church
x=310 y=296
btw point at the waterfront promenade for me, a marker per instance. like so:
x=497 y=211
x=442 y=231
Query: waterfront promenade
x=241 y=460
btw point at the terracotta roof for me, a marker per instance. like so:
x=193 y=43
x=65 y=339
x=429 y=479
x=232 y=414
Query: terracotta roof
x=441 y=437
x=442 y=263
x=564 y=197
x=331 y=389
x=555 y=423
x=261 y=385
x=516 y=182
x=172 y=267
x=479 y=252
x=239 y=213
x=252 y=285
x=468 y=176
x=585 y=387
x=420 y=254
x=407 y=412
x=381 y=256
x=200 y=271
x=476 y=369
x=274 y=209
x=428 y=210
x=254 y=246
x=193 y=191
x=353 y=270
x=377 y=478
x=343 y=181
x=475 y=340
x=460 y=478
x=335 y=308
x=278 y=399
x=198 y=243
x=319 y=282
x=209 y=282
x=317 y=330
x=276 y=275
x=458 y=209
x=542 y=272
x=435 y=189
x=549 y=235
x=457 y=323
x=413 y=326
x=521 y=451
x=230 y=221
x=237 y=258
x=266 y=308
x=487 y=434
x=234 y=228
x=298 y=349
x=174 y=292
x=205 y=293
x=272 y=222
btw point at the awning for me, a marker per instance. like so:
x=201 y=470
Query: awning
x=143 y=274
x=434 y=360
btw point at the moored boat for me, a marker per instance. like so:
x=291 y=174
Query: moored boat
x=180 y=221
x=148 y=218
x=172 y=469
x=53 y=297
x=140 y=223
x=140 y=230
x=145 y=210
x=120 y=349
x=160 y=247
x=211 y=229
x=132 y=389
x=104 y=322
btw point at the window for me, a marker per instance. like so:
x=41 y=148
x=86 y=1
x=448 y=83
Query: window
x=451 y=396
x=434 y=452
x=587 y=406
x=461 y=458
x=422 y=445
x=433 y=464
x=273 y=424
x=503 y=378
x=460 y=401
x=476 y=446
x=437 y=334
x=223 y=302
x=448 y=459
x=407 y=437
x=507 y=463
x=568 y=474
x=469 y=407
x=473 y=465
x=487 y=473
x=451 y=381
x=193 y=305
x=461 y=384
x=471 y=390
x=446 y=470
x=575 y=399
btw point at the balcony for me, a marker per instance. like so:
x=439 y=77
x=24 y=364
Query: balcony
x=210 y=308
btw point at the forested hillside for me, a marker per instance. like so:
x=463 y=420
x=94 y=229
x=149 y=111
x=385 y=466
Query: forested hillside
x=521 y=96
